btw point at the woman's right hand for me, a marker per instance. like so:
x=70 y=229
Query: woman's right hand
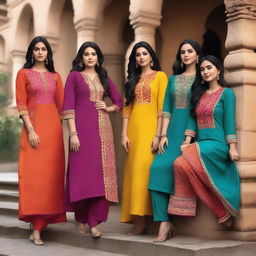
x=163 y=141
x=33 y=139
x=125 y=142
x=74 y=143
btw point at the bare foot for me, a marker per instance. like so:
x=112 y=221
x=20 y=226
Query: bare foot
x=166 y=231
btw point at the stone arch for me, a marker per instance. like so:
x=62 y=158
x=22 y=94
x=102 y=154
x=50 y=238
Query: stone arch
x=25 y=28
x=54 y=17
x=179 y=23
x=67 y=39
x=216 y=31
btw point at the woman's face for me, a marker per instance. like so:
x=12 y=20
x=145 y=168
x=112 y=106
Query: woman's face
x=90 y=57
x=143 y=58
x=209 y=72
x=188 y=54
x=40 y=52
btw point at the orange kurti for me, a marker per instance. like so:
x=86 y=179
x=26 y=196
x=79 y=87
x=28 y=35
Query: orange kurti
x=41 y=170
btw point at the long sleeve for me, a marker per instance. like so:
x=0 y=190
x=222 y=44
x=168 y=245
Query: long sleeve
x=229 y=115
x=69 y=97
x=21 y=93
x=163 y=80
x=59 y=94
x=191 y=127
x=127 y=110
x=167 y=110
x=115 y=96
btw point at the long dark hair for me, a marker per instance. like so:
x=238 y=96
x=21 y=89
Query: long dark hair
x=29 y=55
x=177 y=66
x=134 y=70
x=100 y=70
x=201 y=86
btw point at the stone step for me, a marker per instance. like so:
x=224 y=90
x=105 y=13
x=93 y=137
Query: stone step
x=9 y=195
x=116 y=240
x=8 y=208
x=9 y=181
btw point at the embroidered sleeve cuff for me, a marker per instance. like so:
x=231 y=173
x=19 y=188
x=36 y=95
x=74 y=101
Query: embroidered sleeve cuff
x=68 y=114
x=190 y=133
x=231 y=138
x=167 y=115
x=22 y=109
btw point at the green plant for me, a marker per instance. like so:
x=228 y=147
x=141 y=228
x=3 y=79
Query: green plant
x=3 y=88
x=10 y=127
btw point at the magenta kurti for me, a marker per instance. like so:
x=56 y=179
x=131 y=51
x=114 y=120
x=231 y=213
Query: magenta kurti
x=92 y=170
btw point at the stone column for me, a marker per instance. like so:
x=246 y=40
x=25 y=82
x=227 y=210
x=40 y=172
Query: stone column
x=86 y=30
x=240 y=64
x=18 y=59
x=144 y=25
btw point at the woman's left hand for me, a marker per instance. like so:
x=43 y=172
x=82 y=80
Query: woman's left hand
x=233 y=154
x=155 y=144
x=101 y=105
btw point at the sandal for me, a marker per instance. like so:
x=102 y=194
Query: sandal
x=95 y=233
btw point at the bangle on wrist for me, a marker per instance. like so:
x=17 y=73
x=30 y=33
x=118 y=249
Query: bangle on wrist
x=30 y=129
x=163 y=135
x=73 y=134
x=158 y=136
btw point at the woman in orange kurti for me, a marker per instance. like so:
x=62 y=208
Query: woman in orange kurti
x=39 y=94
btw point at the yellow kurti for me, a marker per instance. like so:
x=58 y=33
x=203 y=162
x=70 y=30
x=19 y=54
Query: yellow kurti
x=142 y=127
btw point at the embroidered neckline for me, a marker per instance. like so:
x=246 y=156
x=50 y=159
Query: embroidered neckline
x=214 y=91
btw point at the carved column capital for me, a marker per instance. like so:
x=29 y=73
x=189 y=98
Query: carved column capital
x=143 y=18
x=86 y=24
x=240 y=9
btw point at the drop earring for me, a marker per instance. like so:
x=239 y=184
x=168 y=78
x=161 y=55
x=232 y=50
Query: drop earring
x=46 y=62
x=218 y=77
x=32 y=60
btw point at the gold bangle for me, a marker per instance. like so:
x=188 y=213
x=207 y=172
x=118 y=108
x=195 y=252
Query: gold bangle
x=163 y=135
x=30 y=129
x=73 y=134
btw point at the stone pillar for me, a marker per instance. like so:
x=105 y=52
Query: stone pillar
x=53 y=41
x=240 y=64
x=86 y=30
x=144 y=25
x=18 y=59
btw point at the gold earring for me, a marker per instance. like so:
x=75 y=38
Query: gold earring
x=218 y=77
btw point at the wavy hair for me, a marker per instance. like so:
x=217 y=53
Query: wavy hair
x=201 y=86
x=29 y=55
x=100 y=70
x=177 y=66
x=134 y=70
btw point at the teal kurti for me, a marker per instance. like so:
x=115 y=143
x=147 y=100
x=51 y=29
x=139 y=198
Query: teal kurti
x=176 y=107
x=215 y=129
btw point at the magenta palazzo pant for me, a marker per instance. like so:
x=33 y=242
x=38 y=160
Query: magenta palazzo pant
x=92 y=211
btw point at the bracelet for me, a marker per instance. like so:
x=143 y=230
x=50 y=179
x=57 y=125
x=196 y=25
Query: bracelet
x=185 y=143
x=30 y=129
x=158 y=136
x=73 y=134
x=163 y=135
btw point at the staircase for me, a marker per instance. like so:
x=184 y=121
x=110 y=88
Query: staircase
x=115 y=239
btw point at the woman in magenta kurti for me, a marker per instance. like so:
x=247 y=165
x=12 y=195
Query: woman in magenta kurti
x=91 y=177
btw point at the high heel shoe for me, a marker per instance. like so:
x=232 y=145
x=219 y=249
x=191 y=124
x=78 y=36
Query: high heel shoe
x=165 y=233
x=35 y=238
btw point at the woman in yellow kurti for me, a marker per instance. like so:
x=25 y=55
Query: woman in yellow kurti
x=142 y=117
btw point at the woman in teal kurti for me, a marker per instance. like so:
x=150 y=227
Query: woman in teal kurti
x=206 y=168
x=176 y=112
